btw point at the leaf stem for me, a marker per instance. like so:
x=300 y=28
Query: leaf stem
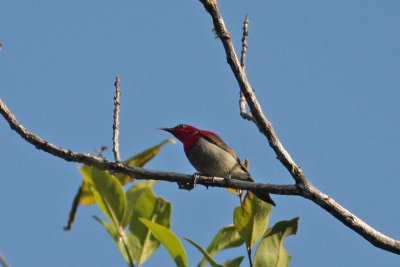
x=249 y=256
x=120 y=232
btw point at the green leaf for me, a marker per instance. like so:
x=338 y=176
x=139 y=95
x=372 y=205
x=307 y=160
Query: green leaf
x=169 y=240
x=107 y=192
x=227 y=237
x=133 y=196
x=251 y=219
x=113 y=232
x=205 y=254
x=142 y=203
x=234 y=262
x=139 y=160
x=271 y=251
x=85 y=196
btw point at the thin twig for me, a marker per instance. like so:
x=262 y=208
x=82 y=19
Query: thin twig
x=116 y=120
x=242 y=101
x=100 y=153
x=264 y=125
x=244 y=42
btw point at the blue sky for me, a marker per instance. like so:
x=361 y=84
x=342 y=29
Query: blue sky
x=326 y=73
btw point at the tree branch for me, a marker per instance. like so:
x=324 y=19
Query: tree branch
x=302 y=188
x=138 y=173
x=307 y=190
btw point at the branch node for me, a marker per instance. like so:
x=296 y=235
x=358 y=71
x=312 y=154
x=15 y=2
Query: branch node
x=186 y=185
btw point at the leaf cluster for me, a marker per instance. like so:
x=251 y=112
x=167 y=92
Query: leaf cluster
x=138 y=221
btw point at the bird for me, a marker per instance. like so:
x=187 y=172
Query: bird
x=211 y=156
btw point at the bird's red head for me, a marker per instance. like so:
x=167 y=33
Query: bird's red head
x=190 y=135
x=184 y=132
x=187 y=134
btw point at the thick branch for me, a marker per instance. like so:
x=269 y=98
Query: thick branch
x=375 y=237
x=138 y=173
x=264 y=125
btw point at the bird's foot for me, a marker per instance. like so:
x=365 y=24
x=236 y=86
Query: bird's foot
x=195 y=177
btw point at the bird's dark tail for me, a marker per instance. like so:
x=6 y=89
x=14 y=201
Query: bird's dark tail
x=260 y=194
x=264 y=197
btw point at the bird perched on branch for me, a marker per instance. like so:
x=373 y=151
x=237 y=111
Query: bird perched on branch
x=210 y=156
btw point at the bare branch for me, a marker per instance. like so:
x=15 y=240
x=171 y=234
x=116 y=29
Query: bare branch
x=264 y=125
x=244 y=42
x=116 y=120
x=138 y=173
x=242 y=101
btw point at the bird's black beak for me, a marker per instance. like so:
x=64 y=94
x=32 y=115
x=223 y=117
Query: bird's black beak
x=166 y=129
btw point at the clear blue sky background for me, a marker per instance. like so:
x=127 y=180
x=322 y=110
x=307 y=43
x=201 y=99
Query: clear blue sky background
x=326 y=72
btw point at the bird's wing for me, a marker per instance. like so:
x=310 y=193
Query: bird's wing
x=216 y=140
